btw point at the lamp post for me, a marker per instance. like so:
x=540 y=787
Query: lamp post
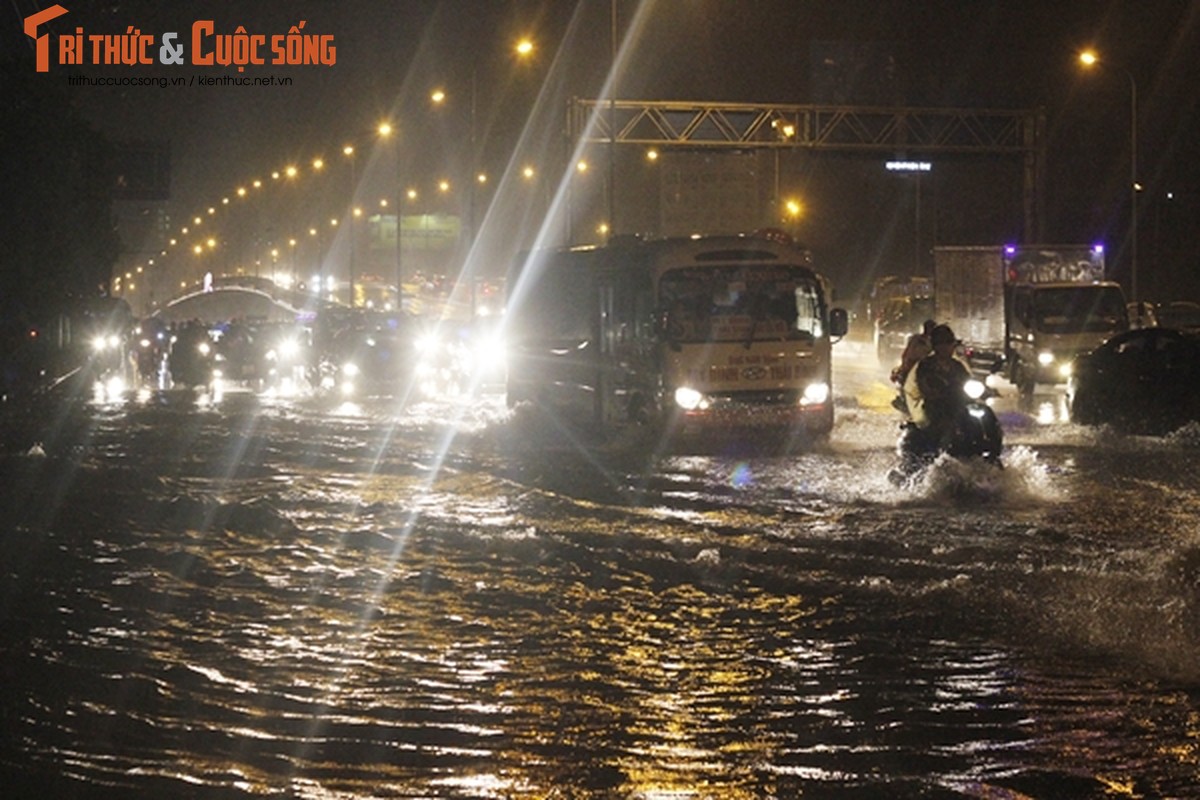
x=348 y=150
x=1089 y=58
x=385 y=132
x=522 y=50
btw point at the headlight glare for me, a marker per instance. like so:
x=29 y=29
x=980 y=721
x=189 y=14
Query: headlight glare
x=688 y=398
x=815 y=394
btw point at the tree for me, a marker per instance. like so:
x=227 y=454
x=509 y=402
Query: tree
x=56 y=219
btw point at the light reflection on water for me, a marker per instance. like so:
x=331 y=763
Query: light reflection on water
x=265 y=599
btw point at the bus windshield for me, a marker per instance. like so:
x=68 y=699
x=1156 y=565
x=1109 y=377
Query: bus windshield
x=741 y=303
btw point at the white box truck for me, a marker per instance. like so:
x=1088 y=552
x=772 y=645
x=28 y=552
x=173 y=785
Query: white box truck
x=1027 y=310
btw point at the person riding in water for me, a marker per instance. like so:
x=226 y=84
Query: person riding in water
x=933 y=389
x=917 y=347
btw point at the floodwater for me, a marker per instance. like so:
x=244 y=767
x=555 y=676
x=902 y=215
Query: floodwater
x=279 y=598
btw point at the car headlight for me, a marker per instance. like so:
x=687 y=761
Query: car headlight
x=815 y=394
x=427 y=344
x=688 y=398
x=1045 y=358
x=973 y=389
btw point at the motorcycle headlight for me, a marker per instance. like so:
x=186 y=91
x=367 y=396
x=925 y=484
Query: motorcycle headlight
x=350 y=369
x=974 y=389
x=815 y=394
x=688 y=398
x=1045 y=358
x=1065 y=370
x=289 y=348
x=204 y=348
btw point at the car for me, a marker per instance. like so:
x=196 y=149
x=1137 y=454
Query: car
x=1141 y=315
x=1144 y=381
x=1178 y=314
x=368 y=355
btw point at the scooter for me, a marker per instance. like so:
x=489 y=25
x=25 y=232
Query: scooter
x=976 y=434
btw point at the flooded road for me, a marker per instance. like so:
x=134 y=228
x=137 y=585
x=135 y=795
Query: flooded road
x=259 y=597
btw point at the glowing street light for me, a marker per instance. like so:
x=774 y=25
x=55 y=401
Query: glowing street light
x=385 y=131
x=1089 y=59
x=523 y=50
x=348 y=151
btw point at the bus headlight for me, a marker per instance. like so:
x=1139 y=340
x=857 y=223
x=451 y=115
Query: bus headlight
x=815 y=394
x=688 y=398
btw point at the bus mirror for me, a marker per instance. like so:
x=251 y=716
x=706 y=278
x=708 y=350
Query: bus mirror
x=839 y=322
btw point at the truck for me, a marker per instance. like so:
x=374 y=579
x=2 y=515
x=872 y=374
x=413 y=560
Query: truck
x=898 y=308
x=1026 y=311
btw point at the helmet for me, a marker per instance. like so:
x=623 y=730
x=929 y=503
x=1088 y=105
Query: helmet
x=942 y=334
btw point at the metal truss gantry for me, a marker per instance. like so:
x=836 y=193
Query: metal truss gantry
x=893 y=132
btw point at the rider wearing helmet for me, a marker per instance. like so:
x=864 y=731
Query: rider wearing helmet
x=933 y=389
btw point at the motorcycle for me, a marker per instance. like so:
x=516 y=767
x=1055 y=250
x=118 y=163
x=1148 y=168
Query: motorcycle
x=974 y=434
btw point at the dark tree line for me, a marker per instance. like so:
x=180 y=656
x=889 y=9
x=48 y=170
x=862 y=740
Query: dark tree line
x=58 y=242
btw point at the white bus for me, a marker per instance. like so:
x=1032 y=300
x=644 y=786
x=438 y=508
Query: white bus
x=706 y=334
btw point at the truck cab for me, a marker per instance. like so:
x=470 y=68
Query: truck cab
x=1048 y=324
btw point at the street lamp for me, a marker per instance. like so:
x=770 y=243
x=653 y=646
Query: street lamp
x=1088 y=59
x=793 y=211
x=523 y=50
x=348 y=151
x=385 y=131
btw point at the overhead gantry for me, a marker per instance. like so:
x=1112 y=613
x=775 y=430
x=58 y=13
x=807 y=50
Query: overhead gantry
x=1019 y=133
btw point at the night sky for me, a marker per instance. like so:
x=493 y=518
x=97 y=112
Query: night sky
x=927 y=53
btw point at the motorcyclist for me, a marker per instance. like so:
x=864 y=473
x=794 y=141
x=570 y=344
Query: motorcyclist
x=916 y=348
x=933 y=389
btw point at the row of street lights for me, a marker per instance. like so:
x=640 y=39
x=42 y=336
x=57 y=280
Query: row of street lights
x=523 y=49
